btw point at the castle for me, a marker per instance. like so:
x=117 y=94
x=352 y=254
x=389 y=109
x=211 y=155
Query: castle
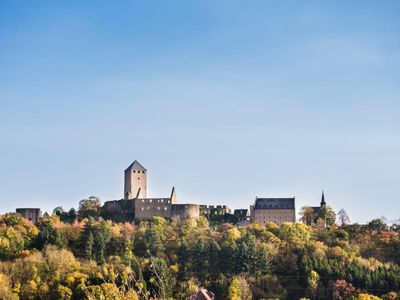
x=139 y=206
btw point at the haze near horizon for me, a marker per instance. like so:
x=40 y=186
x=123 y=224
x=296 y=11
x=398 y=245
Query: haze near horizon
x=225 y=101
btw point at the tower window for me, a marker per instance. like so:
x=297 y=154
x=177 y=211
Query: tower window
x=134 y=171
x=138 y=178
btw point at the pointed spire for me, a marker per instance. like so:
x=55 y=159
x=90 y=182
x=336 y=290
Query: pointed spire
x=323 y=199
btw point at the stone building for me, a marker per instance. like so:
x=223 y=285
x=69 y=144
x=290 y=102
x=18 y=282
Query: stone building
x=275 y=210
x=31 y=214
x=241 y=214
x=137 y=205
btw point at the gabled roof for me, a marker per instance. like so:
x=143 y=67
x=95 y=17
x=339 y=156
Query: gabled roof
x=274 y=203
x=202 y=294
x=136 y=166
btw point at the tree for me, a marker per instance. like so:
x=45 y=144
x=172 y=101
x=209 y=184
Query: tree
x=327 y=214
x=89 y=244
x=239 y=289
x=58 y=211
x=377 y=225
x=89 y=207
x=49 y=235
x=161 y=278
x=343 y=290
x=306 y=215
x=343 y=217
x=72 y=215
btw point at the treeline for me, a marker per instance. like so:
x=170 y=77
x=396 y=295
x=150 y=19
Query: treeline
x=87 y=257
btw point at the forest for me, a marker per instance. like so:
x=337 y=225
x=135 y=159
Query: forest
x=81 y=255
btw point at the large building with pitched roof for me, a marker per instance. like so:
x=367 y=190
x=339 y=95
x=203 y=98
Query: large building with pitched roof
x=273 y=210
x=137 y=205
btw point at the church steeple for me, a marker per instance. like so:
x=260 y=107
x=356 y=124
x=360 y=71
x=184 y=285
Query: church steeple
x=323 y=203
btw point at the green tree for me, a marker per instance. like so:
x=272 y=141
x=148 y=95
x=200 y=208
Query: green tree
x=90 y=207
x=49 y=235
x=306 y=215
x=377 y=225
x=327 y=214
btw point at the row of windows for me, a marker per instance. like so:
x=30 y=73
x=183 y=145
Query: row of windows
x=134 y=171
x=282 y=206
x=158 y=208
x=280 y=217
x=156 y=200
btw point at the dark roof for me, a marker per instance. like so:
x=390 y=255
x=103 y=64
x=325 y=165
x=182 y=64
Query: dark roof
x=136 y=166
x=323 y=199
x=274 y=203
x=240 y=212
x=316 y=209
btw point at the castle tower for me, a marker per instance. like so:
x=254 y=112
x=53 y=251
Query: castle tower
x=135 y=181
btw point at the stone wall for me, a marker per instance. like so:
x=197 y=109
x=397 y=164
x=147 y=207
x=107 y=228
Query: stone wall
x=152 y=207
x=185 y=211
x=119 y=206
x=31 y=214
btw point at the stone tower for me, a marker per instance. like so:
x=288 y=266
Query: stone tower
x=135 y=181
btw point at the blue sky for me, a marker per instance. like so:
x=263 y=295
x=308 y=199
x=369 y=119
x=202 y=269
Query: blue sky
x=226 y=100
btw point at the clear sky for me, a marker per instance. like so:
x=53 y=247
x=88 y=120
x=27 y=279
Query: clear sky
x=226 y=100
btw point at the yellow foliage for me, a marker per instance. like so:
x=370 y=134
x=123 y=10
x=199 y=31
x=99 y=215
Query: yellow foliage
x=5 y=289
x=233 y=234
x=174 y=268
x=367 y=297
x=33 y=285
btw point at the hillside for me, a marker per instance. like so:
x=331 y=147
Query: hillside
x=160 y=259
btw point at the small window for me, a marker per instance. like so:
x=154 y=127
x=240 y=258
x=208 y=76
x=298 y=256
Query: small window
x=134 y=171
x=138 y=178
x=162 y=200
x=142 y=208
x=142 y=200
x=151 y=200
x=158 y=208
x=165 y=208
x=148 y=207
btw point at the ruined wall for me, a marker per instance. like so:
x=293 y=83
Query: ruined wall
x=185 y=211
x=152 y=207
x=31 y=214
x=119 y=206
